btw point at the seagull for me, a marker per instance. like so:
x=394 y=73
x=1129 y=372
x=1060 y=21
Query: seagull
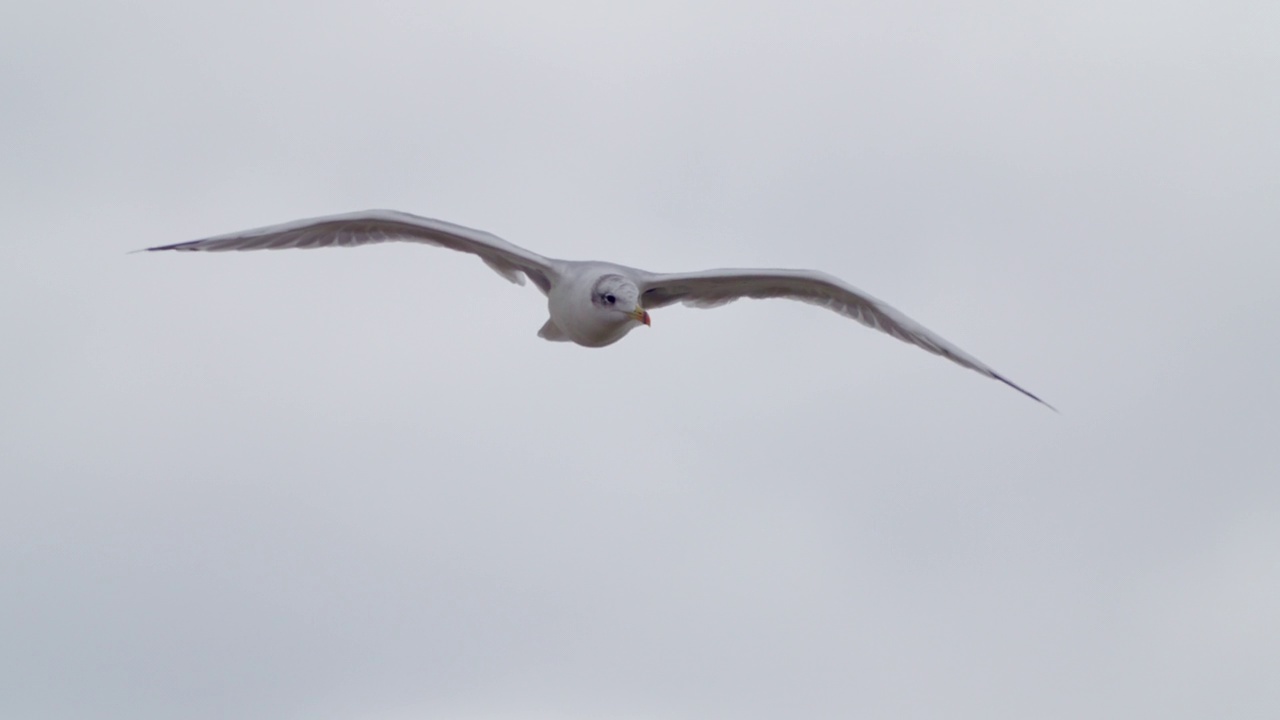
x=595 y=304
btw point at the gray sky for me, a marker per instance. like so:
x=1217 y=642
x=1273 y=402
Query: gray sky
x=355 y=485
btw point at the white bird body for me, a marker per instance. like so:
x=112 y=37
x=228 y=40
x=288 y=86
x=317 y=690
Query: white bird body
x=595 y=304
x=581 y=322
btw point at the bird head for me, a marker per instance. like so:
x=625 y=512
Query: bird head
x=620 y=299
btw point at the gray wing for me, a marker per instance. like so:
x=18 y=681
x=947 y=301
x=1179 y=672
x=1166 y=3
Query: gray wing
x=376 y=226
x=712 y=288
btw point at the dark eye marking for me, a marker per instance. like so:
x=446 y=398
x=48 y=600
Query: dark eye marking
x=610 y=299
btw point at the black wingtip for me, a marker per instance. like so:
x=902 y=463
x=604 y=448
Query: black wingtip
x=1031 y=395
x=175 y=246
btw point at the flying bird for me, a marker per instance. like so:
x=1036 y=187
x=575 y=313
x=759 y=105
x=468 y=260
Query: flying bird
x=595 y=304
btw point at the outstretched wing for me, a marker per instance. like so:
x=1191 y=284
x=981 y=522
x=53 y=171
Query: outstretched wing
x=376 y=226
x=712 y=288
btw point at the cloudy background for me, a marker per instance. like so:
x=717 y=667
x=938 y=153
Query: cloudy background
x=355 y=485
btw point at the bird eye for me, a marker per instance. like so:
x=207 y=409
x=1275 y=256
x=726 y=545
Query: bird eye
x=610 y=299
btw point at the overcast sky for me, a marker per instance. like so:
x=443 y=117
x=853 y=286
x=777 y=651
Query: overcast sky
x=354 y=485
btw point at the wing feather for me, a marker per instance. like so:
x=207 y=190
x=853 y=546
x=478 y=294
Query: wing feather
x=713 y=288
x=376 y=226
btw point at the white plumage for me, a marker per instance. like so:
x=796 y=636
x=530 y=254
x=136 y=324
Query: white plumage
x=595 y=303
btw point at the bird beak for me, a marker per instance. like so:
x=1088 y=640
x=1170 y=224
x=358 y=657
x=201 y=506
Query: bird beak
x=639 y=315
